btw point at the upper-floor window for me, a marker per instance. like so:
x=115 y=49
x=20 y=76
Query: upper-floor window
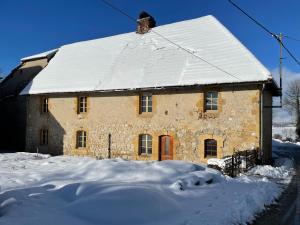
x=211 y=100
x=82 y=104
x=44 y=137
x=145 y=102
x=81 y=139
x=45 y=106
x=145 y=144
x=210 y=148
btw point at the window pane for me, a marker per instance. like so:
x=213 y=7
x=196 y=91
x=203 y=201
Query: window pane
x=214 y=94
x=211 y=101
x=144 y=109
x=210 y=147
x=214 y=107
x=143 y=150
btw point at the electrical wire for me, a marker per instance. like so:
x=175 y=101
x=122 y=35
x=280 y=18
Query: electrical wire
x=265 y=29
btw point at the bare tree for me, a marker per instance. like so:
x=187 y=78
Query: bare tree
x=292 y=101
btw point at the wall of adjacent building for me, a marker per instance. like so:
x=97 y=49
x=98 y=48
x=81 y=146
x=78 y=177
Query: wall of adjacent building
x=13 y=113
x=235 y=126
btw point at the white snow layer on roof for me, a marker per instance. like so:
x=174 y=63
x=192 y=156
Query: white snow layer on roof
x=40 y=55
x=131 y=60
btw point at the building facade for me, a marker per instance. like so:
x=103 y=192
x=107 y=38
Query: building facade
x=193 y=124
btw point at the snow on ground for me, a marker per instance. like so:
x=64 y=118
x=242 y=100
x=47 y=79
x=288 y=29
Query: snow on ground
x=285 y=131
x=68 y=190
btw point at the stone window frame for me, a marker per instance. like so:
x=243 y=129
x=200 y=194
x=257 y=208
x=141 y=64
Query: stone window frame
x=201 y=148
x=82 y=104
x=145 y=144
x=210 y=148
x=81 y=139
x=214 y=101
x=146 y=106
x=44 y=136
x=44 y=105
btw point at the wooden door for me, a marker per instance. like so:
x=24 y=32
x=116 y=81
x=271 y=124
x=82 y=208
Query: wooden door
x=166 y=148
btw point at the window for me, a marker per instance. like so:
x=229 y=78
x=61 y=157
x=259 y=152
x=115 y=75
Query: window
x=44 y=137
x=82 y=104
x=211 y=100
x=145 y=144
x=81 y=139
x=45 y=102
x=210 y=148
x=145 y=103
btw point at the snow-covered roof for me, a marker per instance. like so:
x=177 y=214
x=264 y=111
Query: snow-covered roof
x=132 y=61
x=40 y=55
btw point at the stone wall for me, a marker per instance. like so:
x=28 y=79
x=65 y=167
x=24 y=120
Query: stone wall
x=180 y=114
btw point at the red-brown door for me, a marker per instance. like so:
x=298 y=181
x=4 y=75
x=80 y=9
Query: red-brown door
x=166 y=147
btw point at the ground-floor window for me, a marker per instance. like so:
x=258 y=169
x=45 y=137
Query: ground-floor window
x=145 y=144
x=81 y=139
x=210 y=148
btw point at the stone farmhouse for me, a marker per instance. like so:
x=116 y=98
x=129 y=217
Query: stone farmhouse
x=183 y=91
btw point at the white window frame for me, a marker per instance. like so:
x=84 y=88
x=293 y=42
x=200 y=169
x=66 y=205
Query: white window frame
x=211 y=102
x=81 y=139
x=145 y=144
x=82 y=104
x=146 y=103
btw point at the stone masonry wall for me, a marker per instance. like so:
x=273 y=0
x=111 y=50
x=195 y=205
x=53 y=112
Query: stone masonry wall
x=180 y=114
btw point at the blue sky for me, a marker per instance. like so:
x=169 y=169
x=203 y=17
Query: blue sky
x=32 y=26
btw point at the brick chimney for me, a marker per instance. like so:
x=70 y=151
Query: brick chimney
x=145 y=23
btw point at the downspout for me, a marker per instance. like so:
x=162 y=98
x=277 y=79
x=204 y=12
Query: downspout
x=261 y=155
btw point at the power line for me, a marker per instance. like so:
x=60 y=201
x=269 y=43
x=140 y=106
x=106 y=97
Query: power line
x=292 y=38
x=167 y=39
x=251 y=18
x=265 y=29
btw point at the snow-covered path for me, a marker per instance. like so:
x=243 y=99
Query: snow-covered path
x=287 y=212
x=83 y=191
